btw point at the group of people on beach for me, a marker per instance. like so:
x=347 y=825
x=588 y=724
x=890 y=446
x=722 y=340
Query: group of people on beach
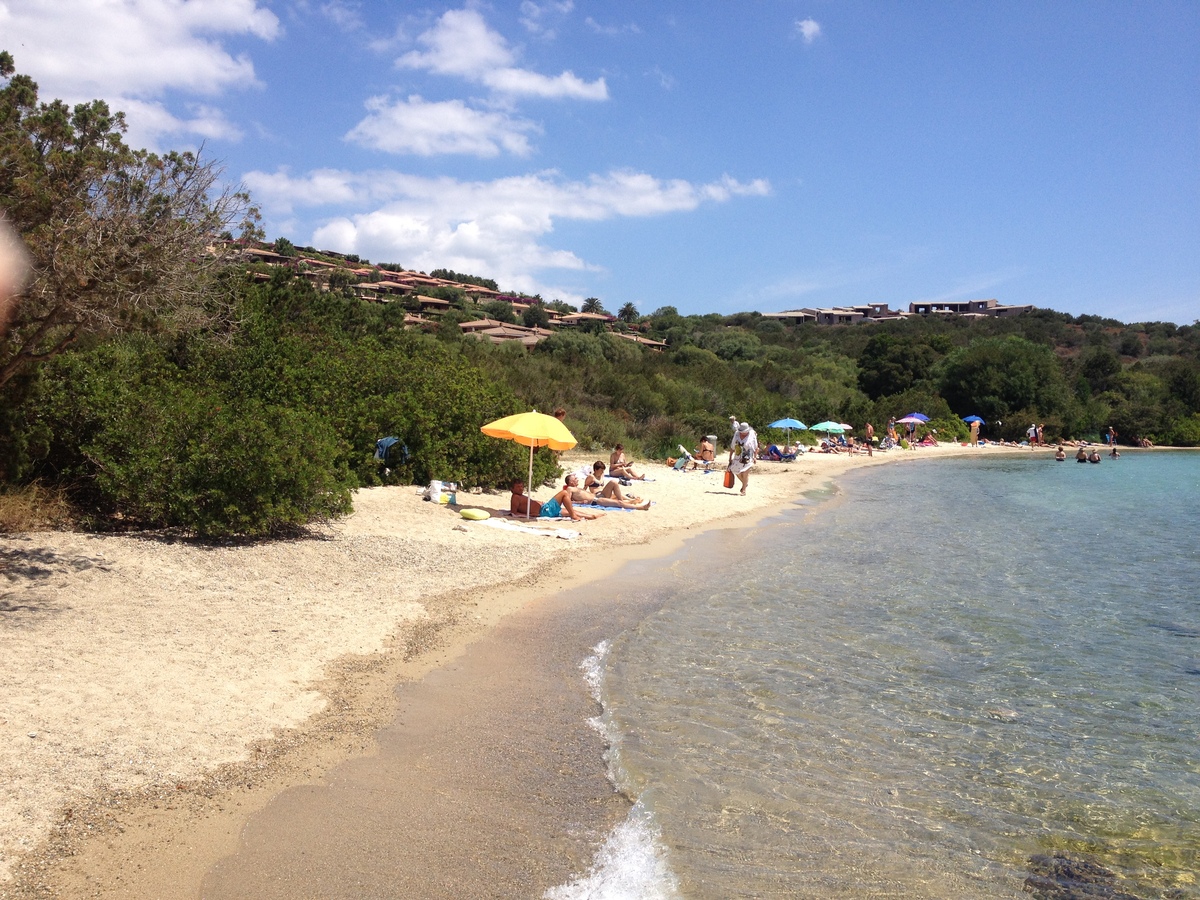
x=602 y=487
x=594 y=489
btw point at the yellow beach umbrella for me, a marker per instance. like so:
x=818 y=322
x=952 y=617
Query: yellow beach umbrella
x=532 y=430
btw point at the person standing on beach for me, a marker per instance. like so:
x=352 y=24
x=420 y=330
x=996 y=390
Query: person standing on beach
x=975 y=433
x=869 y=432
x=743 y=453
x=1112 y=436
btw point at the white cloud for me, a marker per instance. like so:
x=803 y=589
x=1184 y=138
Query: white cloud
x=536 y=16
x=462 y=45
x=131 y=52
x=151 y=122
x=345 y=15
x=426 y=129
x=611 y=30
x=495 y=228
x=808 y=29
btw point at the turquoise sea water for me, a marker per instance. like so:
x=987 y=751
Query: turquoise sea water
x=910 y=686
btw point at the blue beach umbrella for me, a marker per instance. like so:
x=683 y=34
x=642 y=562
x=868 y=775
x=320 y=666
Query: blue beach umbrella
x=789 y=424
x=921 y=416
x=974 y=419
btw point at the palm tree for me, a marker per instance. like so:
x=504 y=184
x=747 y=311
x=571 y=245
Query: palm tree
x=593 y=305
x=628 y=314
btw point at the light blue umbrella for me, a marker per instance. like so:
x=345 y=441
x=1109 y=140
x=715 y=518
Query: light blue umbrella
x=789 y=424
x=829 y=427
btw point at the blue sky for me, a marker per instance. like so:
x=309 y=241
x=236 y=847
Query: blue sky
x=712 y=156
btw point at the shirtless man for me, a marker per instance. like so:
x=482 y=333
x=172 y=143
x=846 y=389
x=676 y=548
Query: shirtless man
x=522 y=505
x=608 y=495
x=558 y=505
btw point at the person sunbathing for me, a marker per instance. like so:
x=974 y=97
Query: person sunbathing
x=520 y=504
x=601 y=494
x=620 y=467
x=706 y=453
x=561 y=504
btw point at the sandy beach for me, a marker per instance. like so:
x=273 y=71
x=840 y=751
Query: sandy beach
x=156 y=692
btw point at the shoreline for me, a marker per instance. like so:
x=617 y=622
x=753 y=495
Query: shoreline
x=158 y=836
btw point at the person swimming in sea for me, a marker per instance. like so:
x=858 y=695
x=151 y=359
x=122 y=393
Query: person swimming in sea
x=1094 y=456
x=1060 y=454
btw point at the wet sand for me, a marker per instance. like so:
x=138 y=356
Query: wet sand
x=505 y=797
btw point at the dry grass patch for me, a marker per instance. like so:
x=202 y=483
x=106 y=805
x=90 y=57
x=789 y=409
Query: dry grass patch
x=32 y=508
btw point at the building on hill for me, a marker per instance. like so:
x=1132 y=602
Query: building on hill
x=657 y=346
x=839 y=315
x=581 y=317
x=967 y=308
x=502 y=332
x=882 y=312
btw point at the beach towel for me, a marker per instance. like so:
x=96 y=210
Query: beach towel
x=607 y=508
x=565 y=533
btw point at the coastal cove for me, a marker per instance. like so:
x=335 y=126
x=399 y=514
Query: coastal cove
x=181 y=685
x=157 y=785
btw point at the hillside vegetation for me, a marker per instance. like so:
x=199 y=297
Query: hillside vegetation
x=147 y=383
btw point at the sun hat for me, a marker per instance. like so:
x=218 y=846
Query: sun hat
x=744 y=427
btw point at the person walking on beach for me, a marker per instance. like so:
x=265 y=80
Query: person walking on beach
x=1112 y=436
x=743 y=453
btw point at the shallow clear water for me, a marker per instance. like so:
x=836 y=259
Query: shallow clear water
x=911 y=687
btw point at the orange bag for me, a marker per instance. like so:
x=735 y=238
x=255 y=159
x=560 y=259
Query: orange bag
x=728 y=479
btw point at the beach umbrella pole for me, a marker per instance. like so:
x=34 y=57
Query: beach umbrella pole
x=529 y=485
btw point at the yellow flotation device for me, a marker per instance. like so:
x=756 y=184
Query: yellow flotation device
x=476 y=514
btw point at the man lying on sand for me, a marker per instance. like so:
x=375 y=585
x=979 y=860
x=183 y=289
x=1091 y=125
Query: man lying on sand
x=559 y=505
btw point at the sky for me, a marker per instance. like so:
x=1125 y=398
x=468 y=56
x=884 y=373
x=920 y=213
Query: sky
x=712 y=156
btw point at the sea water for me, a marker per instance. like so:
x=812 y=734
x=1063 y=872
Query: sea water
x=914 y=685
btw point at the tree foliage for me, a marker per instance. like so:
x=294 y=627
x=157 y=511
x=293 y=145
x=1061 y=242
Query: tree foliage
x=117 y=237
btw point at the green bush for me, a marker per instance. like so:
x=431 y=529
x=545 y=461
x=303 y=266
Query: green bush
x=182 y=462
x=1182 y=432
